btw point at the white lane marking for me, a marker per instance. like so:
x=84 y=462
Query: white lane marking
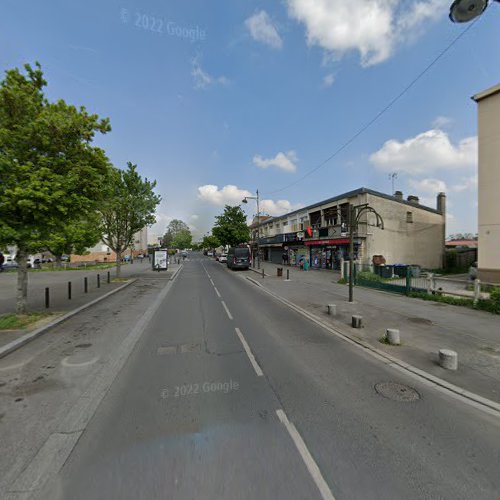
x=249 y=352
x=66 y=363
x=217 y=291
x=213 y=284
x=227 y=310
x=311 y=465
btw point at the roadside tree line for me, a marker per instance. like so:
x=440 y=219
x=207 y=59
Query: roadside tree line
x=58 y=191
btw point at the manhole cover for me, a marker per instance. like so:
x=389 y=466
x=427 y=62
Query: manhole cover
x=83 y=346
x=397 y=392
x=420 y=321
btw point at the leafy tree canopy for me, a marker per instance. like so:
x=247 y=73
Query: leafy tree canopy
x=178 y=235
x=231 y=227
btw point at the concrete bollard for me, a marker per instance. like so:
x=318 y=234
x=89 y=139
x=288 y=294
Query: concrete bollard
x=392 y=336
x=448 y=359
x=357 y=321
x=332 y=309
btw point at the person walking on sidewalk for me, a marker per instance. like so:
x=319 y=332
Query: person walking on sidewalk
x=284 y=257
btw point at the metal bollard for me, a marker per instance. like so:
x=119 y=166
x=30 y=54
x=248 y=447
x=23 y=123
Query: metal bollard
x=357 y=321
x=47 y=298
x=288 y=274
x=98 y=281
x=109 y=277
x=263 y=272
x=69 y=290
x=85 y=285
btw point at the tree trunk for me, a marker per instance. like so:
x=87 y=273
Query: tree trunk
x=22 y=281
x=58 y=261
x=118 y=264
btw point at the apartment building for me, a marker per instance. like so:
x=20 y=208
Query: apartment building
x=488 y=184
x=412 y=233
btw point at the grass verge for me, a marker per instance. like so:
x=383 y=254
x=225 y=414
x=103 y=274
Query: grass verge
x=19 y=322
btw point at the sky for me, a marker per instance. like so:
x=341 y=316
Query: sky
x=215 y=100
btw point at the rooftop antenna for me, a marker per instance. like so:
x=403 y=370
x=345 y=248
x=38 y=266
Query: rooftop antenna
x=392 y=177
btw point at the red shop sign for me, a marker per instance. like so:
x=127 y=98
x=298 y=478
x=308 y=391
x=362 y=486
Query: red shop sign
x=340 y=241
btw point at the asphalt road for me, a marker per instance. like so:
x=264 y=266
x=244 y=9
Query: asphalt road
x=230 y=394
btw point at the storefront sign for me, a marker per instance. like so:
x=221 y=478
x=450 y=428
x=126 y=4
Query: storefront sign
x=339 y=241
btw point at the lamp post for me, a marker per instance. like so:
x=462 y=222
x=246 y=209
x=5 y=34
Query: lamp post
x=355 y=213
x=245 y=200
x=463 y=11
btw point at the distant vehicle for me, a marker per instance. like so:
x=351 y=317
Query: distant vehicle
x=8 y=265
x=473 y=271
x=223 y=258
x=210 y=254
x=238 y=258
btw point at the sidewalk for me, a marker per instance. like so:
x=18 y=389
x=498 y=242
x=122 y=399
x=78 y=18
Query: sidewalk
x=58 y=283
x=425 y=326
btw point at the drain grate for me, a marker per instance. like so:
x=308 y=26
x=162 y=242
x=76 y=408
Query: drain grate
x=397 y=392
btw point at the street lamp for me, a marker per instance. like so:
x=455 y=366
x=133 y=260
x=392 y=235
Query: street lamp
x=245 y=200
x=463 y=11
x=355 y=213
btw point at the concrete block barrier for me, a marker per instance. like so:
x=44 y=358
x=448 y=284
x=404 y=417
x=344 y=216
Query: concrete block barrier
x=448 y=359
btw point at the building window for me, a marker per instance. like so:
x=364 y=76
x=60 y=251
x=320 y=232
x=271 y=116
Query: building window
x=409 y=217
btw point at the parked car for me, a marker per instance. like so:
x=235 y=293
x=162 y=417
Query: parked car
x=238 y=258
x=473 y=271
x=9 y=265
x=223 y=258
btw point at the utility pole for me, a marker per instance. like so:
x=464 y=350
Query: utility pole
x=245 y=200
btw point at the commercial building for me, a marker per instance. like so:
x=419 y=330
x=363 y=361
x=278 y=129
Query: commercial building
x=412 y=234
x=488 y=184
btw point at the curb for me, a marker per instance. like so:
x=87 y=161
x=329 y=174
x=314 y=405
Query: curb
x=480 y=402
x=258 y=272
x=25 y=339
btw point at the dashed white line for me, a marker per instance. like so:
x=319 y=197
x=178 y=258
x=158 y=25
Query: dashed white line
x=249 y=352
x=217 y=292
x=311 y=465
x=227 y=310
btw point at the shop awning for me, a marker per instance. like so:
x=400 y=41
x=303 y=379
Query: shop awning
x=338 y=241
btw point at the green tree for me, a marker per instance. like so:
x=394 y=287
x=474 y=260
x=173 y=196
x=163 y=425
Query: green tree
x=75 y=237
x=130 y=206
x=210 y=242
x=177 y=235
x=231 y=227
x=50 y=173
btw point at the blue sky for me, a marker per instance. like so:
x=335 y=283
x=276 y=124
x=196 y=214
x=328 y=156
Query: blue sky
x=217 y=99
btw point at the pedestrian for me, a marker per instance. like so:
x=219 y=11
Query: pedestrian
x=284 y=257
x=301 y=263
x=2 y=260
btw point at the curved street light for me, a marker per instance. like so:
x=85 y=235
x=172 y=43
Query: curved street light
x=463 y=11
x=245 y=200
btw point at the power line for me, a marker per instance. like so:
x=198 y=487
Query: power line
x=380 y=113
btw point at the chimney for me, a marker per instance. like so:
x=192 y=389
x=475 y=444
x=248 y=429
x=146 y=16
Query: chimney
x=398 y=195
x=441 y=203
x=413 y=199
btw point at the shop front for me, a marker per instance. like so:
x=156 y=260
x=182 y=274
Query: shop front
x=328 y=254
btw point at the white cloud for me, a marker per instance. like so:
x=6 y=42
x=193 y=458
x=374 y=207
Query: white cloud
x=283 y=161
x=428 y=186
x=374 y=28
x=467 y=183
x=195 y=217
x=227 y=195
x=279 y=207
x=202 y=79
x=427 y=152
x=263 y=30
x=328 y=80
x=441 y=122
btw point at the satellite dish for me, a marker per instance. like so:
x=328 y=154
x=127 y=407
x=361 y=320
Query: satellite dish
x=463 y=11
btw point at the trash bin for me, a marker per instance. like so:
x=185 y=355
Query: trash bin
x=415 y=271
x=386 y=271
x=400 y=270
x=280 y=272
